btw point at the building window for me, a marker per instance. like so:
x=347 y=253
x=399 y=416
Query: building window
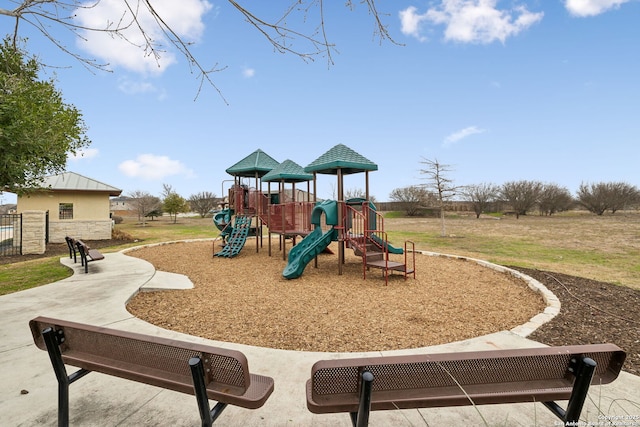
x=66 y=210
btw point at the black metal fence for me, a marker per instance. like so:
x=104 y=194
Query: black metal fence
x=10 y=234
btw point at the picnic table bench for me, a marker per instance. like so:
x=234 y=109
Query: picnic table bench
x=87 y=254
x=204 y=371
x=546 y=374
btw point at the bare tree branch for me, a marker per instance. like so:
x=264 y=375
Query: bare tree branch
x=441 y=184
x=47 y=16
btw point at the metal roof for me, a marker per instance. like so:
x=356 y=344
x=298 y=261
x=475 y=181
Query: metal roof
x=343 y=158
x=288 y=171
x=257 y=163
x=71 y=181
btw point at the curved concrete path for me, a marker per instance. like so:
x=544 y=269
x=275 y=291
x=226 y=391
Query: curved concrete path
x=28 y=389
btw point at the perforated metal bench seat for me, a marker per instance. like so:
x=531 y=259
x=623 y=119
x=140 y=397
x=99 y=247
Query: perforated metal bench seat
x=223 y=374
x=87 y=254
x=541 y=374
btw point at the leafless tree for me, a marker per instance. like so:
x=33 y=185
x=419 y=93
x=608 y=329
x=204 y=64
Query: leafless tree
x=411 y=198
x=441 y=185
x=481 y=196
x=522 y=196
x=144 y=203
x=593 y=197
x=554 y=198
x=299 y=29
x=358 y=193
x=202 y=202
x=334 y=190
x=603 y=196
x=167 y=190
x=622 y=196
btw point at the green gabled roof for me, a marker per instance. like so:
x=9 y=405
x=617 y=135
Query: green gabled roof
x=71 y=181
x=257 y=162
x=343 y=158
x=288 y=171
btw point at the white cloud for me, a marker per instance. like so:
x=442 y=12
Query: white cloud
x=410 y=22
x=248 y=72
x=131 y=87
x=470 y=21
x=184 y=17
x=461 y=134
x=152 y=167
x=85 y=153
x=584 y=8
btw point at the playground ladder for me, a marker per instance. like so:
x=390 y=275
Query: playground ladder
x=237 y=238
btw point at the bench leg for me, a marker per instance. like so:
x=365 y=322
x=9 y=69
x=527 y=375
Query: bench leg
x=361 y=418
x=64 y=380
x=584 y=375
x=208 y=416
x=583 y=371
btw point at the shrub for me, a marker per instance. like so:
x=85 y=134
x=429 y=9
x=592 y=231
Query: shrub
x=121 y=235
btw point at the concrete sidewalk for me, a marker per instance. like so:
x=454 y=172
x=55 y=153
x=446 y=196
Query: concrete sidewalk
x=28 y=388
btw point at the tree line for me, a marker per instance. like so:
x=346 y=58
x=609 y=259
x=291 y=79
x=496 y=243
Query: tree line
x=147 y=205
x=523 y=197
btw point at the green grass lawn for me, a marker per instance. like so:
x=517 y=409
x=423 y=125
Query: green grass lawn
x=29 y=274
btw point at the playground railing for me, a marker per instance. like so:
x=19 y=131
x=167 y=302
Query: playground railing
x=379 y=240
x=410 y=268
x=289 y=217
x=364 y=232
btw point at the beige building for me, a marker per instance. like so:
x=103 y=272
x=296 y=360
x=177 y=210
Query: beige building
x=78 y=206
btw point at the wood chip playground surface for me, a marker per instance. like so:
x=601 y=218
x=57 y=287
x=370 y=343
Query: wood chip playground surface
x=246 y=300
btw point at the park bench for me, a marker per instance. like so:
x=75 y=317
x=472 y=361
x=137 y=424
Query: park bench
x=546 y=374
x=204 y=371
x=87 y=254
x=73 y=249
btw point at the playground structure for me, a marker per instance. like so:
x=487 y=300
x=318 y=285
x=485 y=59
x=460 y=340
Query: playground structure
x=354 y=223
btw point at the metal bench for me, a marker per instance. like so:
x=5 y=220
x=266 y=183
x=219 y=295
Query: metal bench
x=73 y=249
x=547 y=374
x=204 y=371
x=87 y=254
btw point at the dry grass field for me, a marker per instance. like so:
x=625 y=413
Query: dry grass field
x=604 y=248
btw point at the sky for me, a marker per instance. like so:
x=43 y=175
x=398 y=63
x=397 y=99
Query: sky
x=499 y=91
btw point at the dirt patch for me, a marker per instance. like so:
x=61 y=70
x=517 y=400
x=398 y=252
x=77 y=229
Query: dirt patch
x=592 y=312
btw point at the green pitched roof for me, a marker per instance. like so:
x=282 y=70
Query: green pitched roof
x=257 y=162
x=71 y=181
x=341 y=157
x=288 y=171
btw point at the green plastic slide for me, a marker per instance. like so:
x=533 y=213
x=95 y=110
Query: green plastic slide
x=311 y=246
